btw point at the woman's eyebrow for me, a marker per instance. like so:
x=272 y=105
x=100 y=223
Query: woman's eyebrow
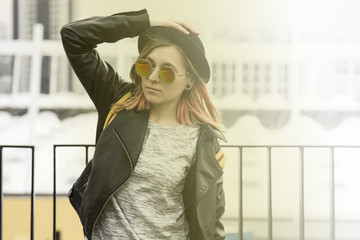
x=164 y=64
x=151 y=61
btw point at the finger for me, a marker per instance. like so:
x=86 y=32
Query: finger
x=179 y=27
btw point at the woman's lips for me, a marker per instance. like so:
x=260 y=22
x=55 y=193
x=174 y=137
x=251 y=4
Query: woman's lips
x=151 y=89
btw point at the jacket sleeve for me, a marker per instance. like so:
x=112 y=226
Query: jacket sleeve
x=219 y=233
x=220 y=209
x=80 y=40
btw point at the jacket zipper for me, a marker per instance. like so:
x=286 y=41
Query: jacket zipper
x=131 y=172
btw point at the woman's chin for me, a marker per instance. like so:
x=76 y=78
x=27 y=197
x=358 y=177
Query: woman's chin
x=152 y=100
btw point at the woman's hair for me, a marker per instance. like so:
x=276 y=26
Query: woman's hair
x=194 y=107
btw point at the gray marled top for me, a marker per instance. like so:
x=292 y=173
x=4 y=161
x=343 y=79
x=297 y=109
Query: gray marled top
x=150 y=204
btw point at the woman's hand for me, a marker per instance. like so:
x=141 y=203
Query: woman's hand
x=182 y=26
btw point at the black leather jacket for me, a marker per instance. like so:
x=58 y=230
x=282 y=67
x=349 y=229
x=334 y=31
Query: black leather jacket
x=118 y=146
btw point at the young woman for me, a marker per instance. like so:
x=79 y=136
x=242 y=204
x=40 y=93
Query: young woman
x=157 y=167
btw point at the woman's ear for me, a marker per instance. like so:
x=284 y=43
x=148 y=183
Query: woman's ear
x=191 y=81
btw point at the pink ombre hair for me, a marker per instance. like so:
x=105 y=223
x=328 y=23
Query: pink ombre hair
x=194 y=107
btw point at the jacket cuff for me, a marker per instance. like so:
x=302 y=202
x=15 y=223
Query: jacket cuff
x=139 y=21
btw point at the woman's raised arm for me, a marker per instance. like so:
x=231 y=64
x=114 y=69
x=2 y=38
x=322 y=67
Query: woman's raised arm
x=80 y=39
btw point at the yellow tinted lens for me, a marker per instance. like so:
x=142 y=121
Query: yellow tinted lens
x=143 y=68
x=167 y=75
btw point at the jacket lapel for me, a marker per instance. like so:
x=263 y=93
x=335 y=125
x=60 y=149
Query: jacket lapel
x=131 y=127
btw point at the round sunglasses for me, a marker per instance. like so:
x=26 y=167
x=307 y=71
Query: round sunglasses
x=166 y=74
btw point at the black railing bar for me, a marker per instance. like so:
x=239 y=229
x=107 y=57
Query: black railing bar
x=291 y=146
x=332 y=194
x=1 y=195
x=301 y=195
x=32 y=209
x=38 y=195
x=87 y=146
x=308 y=220
x=270 y=226
x=54 y=192
x=32 y=194
x=241 y=215
x=74 y=145
x=17 y=146
x=54 y=175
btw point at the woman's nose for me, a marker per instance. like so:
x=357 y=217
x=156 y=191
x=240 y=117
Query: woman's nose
x=154 y=76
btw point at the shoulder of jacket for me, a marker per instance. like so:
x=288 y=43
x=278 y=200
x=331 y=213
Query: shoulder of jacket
x=212 y=135
x=112 y=114
x=207 y=132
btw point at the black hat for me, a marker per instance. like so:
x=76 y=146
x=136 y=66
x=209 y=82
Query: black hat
x=189 y=43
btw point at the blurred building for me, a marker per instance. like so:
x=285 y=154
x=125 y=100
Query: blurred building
x=283 y=59
x=267 y=59
x=52 y=14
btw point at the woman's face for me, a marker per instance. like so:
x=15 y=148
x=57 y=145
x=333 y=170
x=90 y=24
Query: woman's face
x=162 y=94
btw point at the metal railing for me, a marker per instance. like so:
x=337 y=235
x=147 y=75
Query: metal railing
x=86 y=147
x=301 y=149
x=269 y=149
x=269 y=186
x=32 y=194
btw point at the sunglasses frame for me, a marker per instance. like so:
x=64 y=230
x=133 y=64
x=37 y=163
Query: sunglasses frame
x=154 y=68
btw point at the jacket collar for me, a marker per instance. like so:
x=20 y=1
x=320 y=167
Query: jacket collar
x=136 y=123
x=209 y=132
